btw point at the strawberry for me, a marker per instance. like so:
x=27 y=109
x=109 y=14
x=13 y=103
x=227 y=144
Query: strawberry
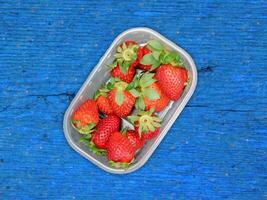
x=154 y=54
x=101 y=97
x=146 y=51
x=136 y=141
x=85 y=117
x=124 y=76
x=120 y=98
x=172 y=80
x=146 y=124
x=100 y=136
x=120 y=152
x=149 y=93
x=149 y=135
x=127 y=56
x=139 y=52
x=160 y=103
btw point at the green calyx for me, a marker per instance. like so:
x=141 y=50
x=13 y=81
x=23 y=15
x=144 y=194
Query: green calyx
x=103 y=91
x=120 y=87
x=84 y=130
x=159 y=56
x=120 y=165
x=139 y=88
x=95 y=150
x=119 y=96
x=146 y=121
x=124 y=56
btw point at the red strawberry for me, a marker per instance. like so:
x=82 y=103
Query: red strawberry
x=121 y=100
x=146 y=123
x=160 y=103
x=101 y=135
x=149 y=93
x=146 y=51
x=101 y=97
x=104 y=105
x=120 y=152
x=172 y=80
x=139 y=52
x=135 y=139
x=149 y=135
x=155 y=54
x=85 y=117
x=127 y=56
x=127 y=76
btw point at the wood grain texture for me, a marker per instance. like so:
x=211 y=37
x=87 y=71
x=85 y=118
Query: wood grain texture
x=217 y=149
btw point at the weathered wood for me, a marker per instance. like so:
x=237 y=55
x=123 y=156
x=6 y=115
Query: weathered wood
x=217 y=149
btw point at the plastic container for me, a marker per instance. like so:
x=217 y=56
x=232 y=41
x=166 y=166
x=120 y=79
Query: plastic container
x=100 y=74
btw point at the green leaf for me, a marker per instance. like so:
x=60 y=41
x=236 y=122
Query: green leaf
x=130 y=86
x=140 y=104
x=124 y=46
x=151 y=94
x=119 y=165
x=150 y=127
x=95 y=150
x=119 y=49
x=97 y=94
x=133 y=118
x=110 y=86
x=155 y=66
x=123 y=68
x=156 y=119
x=119 y=98
x=146 y=79
x=151 y=110
x=112 y=65
x=156 y=54
x=83 y=139
x=156 y=124
x=117 y=55
x=148 y=83
x=134 y=92
x=147 y=59
x=155 y=44
x=171 y=58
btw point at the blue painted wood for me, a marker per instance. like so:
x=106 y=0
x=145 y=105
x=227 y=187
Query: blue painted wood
x=217 y=149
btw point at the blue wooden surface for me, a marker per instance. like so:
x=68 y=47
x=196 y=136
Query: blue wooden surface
x=217 y=149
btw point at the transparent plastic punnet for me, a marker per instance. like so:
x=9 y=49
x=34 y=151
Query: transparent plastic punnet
x=100 y=74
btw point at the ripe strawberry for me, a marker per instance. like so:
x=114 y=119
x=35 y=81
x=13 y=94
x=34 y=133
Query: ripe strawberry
x=127 y=56
x=121 y=100
x=149 y=135
x=149 y=93
x=85 y=118
x=136 y=141
x=101 y=97
x=146 y=123
x=139 y=52
x=172 y=80
x=146 y=51
x=127 y=76
x=120 y=152
x=160 y=103
x=155 y=54
x=104 y=128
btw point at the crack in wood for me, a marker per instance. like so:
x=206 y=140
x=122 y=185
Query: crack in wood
x=206 y=69
x=44 y=96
